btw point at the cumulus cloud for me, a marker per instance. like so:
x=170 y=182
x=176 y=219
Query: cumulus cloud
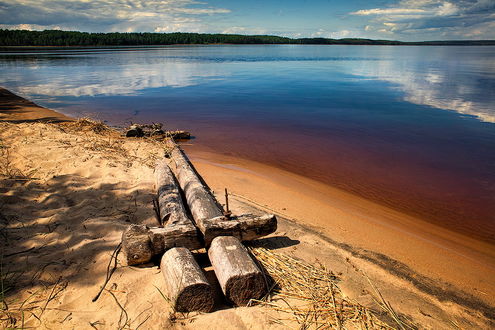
x=433 y=18
x=321 y=33
x=101 y=15
x=244 y=30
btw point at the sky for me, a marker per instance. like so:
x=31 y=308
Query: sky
x=406 y=20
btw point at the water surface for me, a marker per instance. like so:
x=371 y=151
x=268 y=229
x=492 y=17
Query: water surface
x=410 y=127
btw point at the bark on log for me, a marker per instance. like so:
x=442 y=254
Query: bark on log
x=134 y=131
x=208 y=215
x=172 y=211
x=141 y=243
x=245 y=227
x=239 y=276
x=136 y=245
x=185 y=284
x=201 y=202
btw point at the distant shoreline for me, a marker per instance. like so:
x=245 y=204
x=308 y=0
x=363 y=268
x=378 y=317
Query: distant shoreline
x=58 y=38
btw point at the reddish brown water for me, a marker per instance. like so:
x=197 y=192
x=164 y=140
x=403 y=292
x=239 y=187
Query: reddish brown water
x=418 y=181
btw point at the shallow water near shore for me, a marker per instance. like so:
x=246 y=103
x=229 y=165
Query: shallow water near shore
x=408 y=127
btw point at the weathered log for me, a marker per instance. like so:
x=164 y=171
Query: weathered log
x=172 y=210
x=179 y=228
x=141 y=243
x=136 y=245
x=179 y=135
x=245 y=227
x=208 y=215
x=134 y=131
x=201 y=202
x=239 y=276
x=185 y=284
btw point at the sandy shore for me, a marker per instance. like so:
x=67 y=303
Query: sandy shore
x=69 y=190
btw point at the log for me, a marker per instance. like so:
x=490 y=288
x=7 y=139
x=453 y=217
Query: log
x=179 y=228
x=201 y=202
x=134 y=131
x=179 y=135
x=185 y=284
x=208 y=216
x=172 y=210
x=136 y=245
x=245 y=227
x=141 y=243
x=240 y=278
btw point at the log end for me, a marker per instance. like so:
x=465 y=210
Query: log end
x=240 y=278
x=241 y=289
x=185 y=283
x=136 y=245
x=197 y=298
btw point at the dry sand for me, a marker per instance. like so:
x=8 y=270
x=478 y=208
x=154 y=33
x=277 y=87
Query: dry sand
x=69 y=189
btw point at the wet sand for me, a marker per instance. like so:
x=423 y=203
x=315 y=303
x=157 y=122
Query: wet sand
x=416 y=264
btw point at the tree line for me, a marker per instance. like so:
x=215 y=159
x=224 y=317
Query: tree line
x=75 y=38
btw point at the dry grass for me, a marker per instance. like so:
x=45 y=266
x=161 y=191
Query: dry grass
x=88 y=125
x=17 y=313
x=308 y=296
x=7 y=169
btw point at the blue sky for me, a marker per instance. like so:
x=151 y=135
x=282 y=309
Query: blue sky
x=407 y=20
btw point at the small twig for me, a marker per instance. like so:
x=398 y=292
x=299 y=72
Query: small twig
x=24 y=251
x=123 y=311
x=109 y=271
x=227 y=212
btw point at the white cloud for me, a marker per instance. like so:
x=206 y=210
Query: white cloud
x=432 y=19
x=244 y=30
x=389 y=11
x=321 y=33
x=101 y=15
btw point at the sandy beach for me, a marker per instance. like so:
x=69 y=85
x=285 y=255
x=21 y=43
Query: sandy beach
x=70 y=187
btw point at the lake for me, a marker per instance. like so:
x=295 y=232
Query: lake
x=410 y=127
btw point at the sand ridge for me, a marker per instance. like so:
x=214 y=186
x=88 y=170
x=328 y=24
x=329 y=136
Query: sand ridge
x=68 y=191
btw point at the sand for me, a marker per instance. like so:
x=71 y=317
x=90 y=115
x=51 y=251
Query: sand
x=69 y=190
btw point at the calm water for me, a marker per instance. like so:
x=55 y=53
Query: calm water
x=409 y=127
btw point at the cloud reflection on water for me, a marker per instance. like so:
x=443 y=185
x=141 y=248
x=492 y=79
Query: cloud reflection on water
x=440 y=85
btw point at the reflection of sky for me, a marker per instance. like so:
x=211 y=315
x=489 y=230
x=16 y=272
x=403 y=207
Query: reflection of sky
x=451 y=78
x=465 y=85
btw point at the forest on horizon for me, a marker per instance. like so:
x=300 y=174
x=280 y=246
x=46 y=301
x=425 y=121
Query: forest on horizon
x=76 y=38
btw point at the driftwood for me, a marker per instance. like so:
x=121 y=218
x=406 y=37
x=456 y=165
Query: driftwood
x=134 y=131
x=185 y=284
x=239 y=276
x=206 y=212
x=136 y=244
x=155 y=130
x=141 y=243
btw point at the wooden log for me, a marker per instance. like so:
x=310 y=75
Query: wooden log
x=201 y=202
x=179 y=228
x=245 y=227
x=141 y=244
x=134 y=131
x=172 y=210
x=179 y=135
x=206 y=212
x=185 y=284
x=136 y=245
x=239 y=276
